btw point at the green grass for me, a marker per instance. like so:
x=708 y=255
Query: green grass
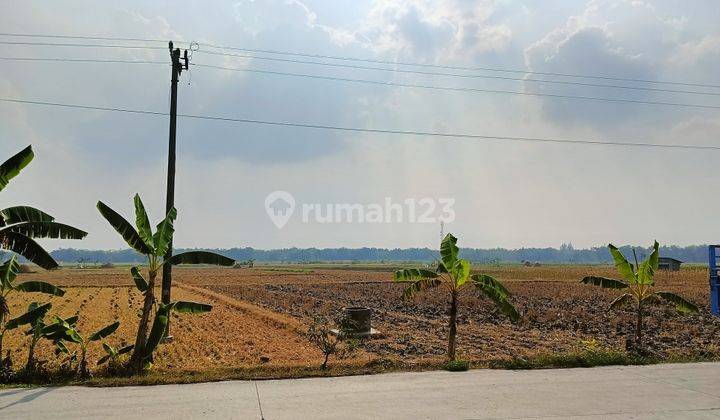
x=457 y=365
x=590 y=358
x=578 y=359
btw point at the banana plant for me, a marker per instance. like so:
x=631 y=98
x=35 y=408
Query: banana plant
x=453 y=273
x=8 y=273
x=154 y=246
x=113 y=353
x=34 y=317
x=639 y=286
x=20 y=225
x=65 y=330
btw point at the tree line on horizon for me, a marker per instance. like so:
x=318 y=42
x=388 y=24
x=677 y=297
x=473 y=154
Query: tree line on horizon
x=565 y=254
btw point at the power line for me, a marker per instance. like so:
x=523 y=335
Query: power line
x=67 y=44
x=96 y=38
x=468 y=76
x=462 y=89
x=368 y=130
x=365 y=68
x=376 y=82
x=81 y=60
x=368 y=60
x=451 y=67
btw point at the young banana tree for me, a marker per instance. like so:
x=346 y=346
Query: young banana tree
x=154 y=247
x=113 y=353
x=639 y=286
x=453 y=273
x=19 y=225
x=65 y=330
x=34 y=317
x=8 y=272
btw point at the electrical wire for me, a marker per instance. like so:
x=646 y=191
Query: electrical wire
x=467 y=68
x=467 y=76
x=378 y=61
x=82 y=60
x=461 y=89
x=55 y=44
x=368 y=130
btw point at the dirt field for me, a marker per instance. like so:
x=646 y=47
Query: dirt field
x=261 y=313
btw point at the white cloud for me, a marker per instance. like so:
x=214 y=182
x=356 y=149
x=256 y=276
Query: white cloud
x=433 y=30
x=508 y=194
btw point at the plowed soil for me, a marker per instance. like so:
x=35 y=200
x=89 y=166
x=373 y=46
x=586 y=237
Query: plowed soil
x=260 y=314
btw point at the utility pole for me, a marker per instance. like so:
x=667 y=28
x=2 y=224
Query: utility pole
x=178 y=65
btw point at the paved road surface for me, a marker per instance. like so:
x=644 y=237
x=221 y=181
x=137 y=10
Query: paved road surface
x=685 y=391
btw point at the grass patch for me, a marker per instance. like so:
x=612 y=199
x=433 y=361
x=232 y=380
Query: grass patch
x=580 y=358
x=457 y=365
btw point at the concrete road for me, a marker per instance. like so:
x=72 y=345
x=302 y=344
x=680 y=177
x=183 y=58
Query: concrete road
x=682 y=391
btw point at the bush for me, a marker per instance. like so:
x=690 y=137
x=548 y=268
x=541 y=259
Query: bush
x=583 y=358
x=457 y=365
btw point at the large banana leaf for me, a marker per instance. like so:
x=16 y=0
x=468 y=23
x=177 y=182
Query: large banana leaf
x=604 y=282
x=9 y=271
x=461 y=271
x=414 y=274
x=419 y=286
x=29 y=317
x=140 y=282
x=499 y=298
x=62 y=329
x=11 y=167
x=52 y=230
x=624 y=299
x=142 y=222
x=449 y=251
x=681 y=304
x=186 y=307
x=158 y=330
x=28 y=248
x=646 y=270
x=19 y=214
x=104 y=332
x=164 y=233
x=39 y=287
x=200 y=257
x=58 y=330
x=124 y=228
x=490 y=281
x=622 y=265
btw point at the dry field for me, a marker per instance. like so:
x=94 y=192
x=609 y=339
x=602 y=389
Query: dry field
x=260 y=314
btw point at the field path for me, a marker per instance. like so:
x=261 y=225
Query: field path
x=277 y=319
x=687 y=391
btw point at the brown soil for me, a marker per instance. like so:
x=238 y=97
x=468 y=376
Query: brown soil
x=261 y=312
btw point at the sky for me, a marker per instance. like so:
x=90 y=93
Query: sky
x=506 y=194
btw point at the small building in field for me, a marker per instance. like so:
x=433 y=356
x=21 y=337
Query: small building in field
x=669 y=264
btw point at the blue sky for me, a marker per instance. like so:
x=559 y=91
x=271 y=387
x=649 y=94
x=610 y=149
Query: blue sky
x=506 y=194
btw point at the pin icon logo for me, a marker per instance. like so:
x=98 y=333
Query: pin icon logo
x=279 y=206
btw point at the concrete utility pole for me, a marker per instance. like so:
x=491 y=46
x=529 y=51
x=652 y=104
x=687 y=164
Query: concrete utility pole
x=177 y=67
